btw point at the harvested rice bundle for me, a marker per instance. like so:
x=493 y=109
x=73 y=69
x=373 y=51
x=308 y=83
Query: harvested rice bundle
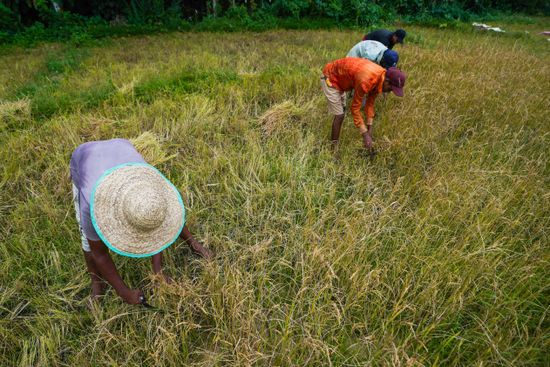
x=281 y=117
x=149 y=146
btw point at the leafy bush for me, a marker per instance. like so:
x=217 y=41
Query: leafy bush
x=146 y=11
x=368 y=13
x=238 y=18
x=449 y=12
x=290 y=8
x=8 y=19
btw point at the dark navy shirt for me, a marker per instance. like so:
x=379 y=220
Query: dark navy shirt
x=381 y=35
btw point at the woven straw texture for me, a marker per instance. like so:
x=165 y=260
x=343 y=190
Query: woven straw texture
x=137 y=210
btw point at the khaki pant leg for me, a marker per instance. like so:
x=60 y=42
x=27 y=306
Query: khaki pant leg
x=336 y=99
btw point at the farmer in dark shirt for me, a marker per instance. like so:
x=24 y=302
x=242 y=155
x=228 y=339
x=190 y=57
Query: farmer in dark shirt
x=387 y=38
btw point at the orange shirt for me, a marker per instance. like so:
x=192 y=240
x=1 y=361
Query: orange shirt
x=364 y=76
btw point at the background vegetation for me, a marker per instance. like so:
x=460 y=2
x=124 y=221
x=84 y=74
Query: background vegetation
x=25 y=22
x=435 y=253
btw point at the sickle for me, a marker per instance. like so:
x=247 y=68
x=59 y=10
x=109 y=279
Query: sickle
x=144 y=303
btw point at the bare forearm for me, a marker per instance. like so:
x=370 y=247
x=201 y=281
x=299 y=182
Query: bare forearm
x=107 y=268
x=367 y=135
x=157 y=263
x=186 y=235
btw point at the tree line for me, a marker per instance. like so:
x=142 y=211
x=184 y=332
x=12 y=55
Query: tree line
x=18 y=14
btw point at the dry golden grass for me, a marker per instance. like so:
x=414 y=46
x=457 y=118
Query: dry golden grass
x=435 y=253
x=282 y=117
x=14 y=113
x=150 y=147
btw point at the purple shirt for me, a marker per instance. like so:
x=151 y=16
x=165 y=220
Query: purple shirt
x=88 y=162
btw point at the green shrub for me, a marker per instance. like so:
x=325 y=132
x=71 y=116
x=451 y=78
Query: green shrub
x=8 y=20
x=450 y=12
x=290 y=8
x=5 y=37
x=369 y=13
x=146 y=11
x=31 y=35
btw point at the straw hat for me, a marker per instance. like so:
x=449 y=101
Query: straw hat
x=136 y=211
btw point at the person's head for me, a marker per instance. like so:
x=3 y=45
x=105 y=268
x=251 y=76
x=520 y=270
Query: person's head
x=136 y=211
x=389 y=59
x=394 y=81
x=398 y=36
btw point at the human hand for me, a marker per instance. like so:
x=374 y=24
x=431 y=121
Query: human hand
x=200 y=250
x=132 y=296
x=367 y=141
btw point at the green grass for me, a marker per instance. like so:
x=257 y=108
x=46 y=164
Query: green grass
x=435 y=253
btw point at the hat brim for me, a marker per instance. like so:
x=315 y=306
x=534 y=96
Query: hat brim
x=112 y=227
x=397 y=91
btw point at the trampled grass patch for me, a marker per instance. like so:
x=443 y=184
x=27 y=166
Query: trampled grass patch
x=183 y=83
x=434 y=253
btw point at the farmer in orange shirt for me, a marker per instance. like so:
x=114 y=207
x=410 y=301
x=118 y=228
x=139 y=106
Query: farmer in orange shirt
x=366 y=79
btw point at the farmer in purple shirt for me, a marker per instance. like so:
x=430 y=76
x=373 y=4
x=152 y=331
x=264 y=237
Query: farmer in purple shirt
x=125 y=205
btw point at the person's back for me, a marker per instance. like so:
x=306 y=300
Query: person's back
x=88 y=163
x=380 y=35
x=368 y=80
x=345 y=73
x=386 y=37
x=371 y=50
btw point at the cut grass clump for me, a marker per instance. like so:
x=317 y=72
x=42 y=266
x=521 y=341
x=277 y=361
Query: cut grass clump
x=149 y=146
x=14 y=114
x=282 y=117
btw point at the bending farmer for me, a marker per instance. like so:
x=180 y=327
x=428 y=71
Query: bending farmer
x=375 y=52
x=388 y=38
x=125 y=205
x=367 y=79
